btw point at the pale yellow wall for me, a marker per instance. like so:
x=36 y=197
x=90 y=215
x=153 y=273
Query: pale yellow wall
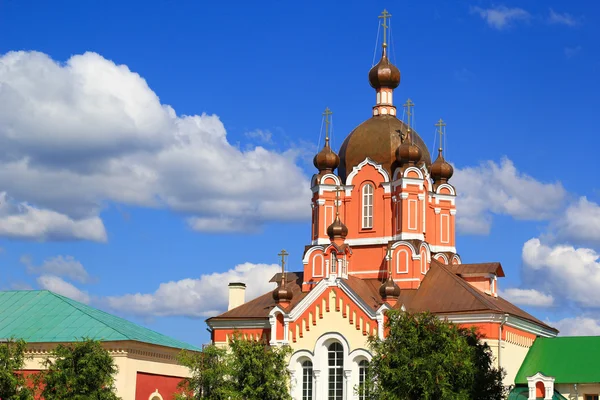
x=568 y=391
x=130 y=358
x=511 y=358
x=333 y=321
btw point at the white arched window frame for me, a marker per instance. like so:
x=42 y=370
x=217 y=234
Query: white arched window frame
x=335 y=373
x=367 y=206
x=402 y=257
x=362 y=379
x=318 y=266
x=307 y=380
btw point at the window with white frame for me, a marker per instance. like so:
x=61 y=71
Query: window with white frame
x=367 y=206
x=307 y=380
x=362 y=379
x=335 y=357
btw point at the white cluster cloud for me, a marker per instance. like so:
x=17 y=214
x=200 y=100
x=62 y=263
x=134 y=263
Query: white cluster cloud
x=202 y=297
x=562 y=18
x=492 y=188
x=577 y=326
x=569 y=273
x=528 y=297
x=62 y=287
x=580 y=223
x=501 y=17
x=77 y=136
x=62 y=266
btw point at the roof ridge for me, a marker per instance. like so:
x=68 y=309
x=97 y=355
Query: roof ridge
x=473 y=291
x=69 y=301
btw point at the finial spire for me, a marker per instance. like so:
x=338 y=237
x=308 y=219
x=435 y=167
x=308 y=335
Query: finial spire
x=327 y=113
x=283 y=254
x=441 y=125
x=409 y=106
x=338 y=189
x=385 y=16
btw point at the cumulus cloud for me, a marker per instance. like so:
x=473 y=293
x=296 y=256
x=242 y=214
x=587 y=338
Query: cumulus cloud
x=24 y=221
x=63 y=266
x=58 y=285
x=492 y=188
x=202 y=297
x=577 y=326
x=77 y=136
x=260 y=135
x=580 y=223
x=562 y=18
x=528 y=297
x=569 y=273
x=501 y=17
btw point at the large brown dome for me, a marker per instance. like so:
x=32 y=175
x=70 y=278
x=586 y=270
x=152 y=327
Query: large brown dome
x=377 y=138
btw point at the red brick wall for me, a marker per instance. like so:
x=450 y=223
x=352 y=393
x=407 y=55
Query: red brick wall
x=146 y=384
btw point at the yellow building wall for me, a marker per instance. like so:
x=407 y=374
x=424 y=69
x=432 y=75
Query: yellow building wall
x=130 y=358
x=568 y=390
x=512 y=357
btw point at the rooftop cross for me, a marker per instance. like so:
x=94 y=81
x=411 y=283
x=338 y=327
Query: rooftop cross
x=440 y=124
x=338 y=189
x=327 y=113
x=283 y=254
x=385 y=15
x=409 y=106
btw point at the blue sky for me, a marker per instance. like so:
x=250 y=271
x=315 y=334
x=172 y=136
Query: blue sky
x=150 y=151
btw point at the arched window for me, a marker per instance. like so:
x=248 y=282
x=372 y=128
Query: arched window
x=367 y=206
x=335 y=356
x=307 y=380
x=362 y=379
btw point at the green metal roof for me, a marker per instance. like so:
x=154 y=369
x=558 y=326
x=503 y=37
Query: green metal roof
x=522 y=393
x=41 y=316
x=569 y=359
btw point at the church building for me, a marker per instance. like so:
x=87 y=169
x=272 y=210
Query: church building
x=382 y=237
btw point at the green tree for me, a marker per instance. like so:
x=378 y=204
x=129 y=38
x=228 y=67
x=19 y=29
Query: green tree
x=425 y=358
x=13 y=385
x=247 y=369
x=78 y=371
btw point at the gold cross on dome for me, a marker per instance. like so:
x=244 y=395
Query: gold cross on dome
x=327 y=113
x=338 y=189
x=283 y=254
x=409 y=106
x=385 y=16
x=441 y=124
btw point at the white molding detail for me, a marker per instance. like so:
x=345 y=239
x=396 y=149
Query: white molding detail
x=155 y=395
x=453 y=211
x=387 y=188
x=447 y=186
x=348 y=190
x=320 y=202
x=547 y=381
x=356 y=170
x=407 y=280
x=404 y=195
x=445 y=197
x=421 y=196
x=439 y=249
x=409 y=236
x=414 y=169
x=238 y=323
x=437 y=210
x=374 y=271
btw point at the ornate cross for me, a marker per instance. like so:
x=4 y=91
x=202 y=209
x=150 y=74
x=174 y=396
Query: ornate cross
x=440 y=124
x=385 y=15
x=338 y=189
x=409 y=106
x=326 y=114
x=283 y=254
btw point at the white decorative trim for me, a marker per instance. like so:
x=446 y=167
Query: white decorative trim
x=404 y=195
x=447 y=186
x=335 y=178
x=446 y=261
x=407 y=280
x=444 y=197
x=387 y=188
x=439 y=249
x=320 y=202
x=409 y=236
x=437 y=210
x=310 y=251
x=155 y=396
x=547 y=381
x=421 y=196
x=238 y=323
x=373 y=271
x=378 y=167
x=414 y=169
x=453 y=211
x=348 y=189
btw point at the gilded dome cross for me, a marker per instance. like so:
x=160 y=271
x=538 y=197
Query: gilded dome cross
x=283 y=254
x=327 y=113
x=385 y=15
x=409 y=106
x=440 y=124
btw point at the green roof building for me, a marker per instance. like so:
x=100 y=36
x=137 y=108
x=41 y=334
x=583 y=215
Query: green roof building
x=147 y=360
x=560 y=368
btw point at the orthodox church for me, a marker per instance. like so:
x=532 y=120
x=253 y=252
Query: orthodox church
x=382 y=237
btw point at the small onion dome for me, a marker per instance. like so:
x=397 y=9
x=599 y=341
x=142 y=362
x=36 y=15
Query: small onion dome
x=441 y=171
x=408 y=152
x=389 y=289
x=282 y=293
x=384 y=74
x=337 y=229
x=326 y=160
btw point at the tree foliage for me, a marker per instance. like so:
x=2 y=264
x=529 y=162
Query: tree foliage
x=12 y=359
x=425 y=358
x=78 y=371
x=247 y=369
